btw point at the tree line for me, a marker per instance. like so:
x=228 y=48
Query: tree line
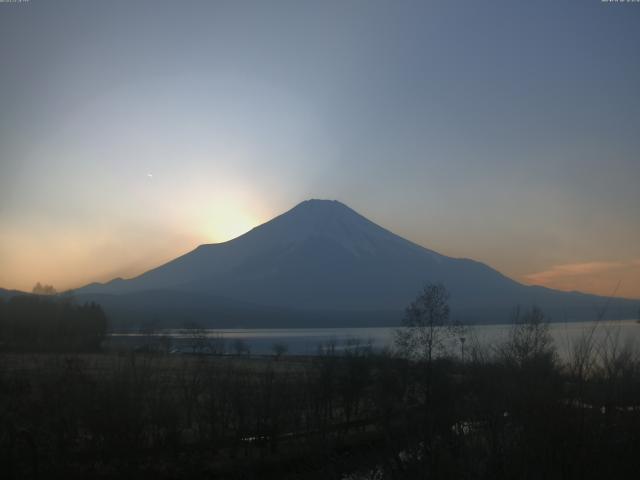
x=48 y=323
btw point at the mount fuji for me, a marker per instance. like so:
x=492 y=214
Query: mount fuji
x=323 y=264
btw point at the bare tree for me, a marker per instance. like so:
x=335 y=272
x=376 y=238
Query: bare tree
x=426 y=328
x=279 y=349
x=529 y=339
x=426 y=325
x=202 y=341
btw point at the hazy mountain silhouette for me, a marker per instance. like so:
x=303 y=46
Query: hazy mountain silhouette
x=323 y=262
x=6 y=294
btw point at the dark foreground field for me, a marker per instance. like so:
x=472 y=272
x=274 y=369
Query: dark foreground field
x=513 y=412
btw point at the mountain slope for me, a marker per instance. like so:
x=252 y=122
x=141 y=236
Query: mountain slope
x=7 y=294
x=323 y=256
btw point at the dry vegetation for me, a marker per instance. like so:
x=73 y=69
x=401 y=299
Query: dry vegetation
x=513 y=412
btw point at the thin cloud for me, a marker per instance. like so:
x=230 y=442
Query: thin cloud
x=572 y=269
x=591 y=277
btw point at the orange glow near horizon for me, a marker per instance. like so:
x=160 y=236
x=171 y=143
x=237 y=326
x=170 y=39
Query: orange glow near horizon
x=72 y=256
x=621 y=279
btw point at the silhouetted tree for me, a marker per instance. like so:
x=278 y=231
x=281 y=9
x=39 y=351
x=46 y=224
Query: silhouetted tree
x=40 y=289
x=279 y=349
x=529 y=339
x=426 y=324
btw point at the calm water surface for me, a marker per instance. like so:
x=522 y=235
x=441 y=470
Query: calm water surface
x=306 y=341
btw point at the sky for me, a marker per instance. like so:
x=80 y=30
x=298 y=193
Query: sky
x=503 y=131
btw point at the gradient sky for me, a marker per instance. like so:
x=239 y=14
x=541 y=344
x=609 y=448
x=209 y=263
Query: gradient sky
x=504 y=131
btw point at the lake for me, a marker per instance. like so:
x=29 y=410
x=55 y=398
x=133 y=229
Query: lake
x=306 y=341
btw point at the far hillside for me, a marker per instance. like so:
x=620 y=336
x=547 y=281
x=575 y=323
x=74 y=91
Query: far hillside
x=321 y=264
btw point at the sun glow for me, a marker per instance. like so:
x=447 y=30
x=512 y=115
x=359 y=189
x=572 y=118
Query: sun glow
x=225 y=224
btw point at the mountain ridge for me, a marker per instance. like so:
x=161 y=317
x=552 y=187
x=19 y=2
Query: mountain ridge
x=323 y=256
